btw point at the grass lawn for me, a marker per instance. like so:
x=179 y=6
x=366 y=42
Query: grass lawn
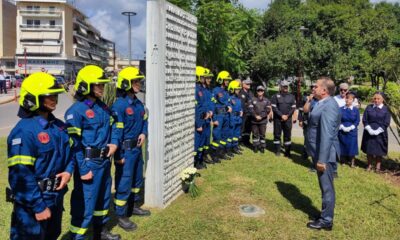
x=367 y=206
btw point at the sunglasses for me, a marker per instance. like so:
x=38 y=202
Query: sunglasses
x=260 y=90
x=343 y=90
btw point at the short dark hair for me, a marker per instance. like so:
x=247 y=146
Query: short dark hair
x=328 y=84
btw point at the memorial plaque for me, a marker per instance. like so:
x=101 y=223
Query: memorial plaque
x=170 y=98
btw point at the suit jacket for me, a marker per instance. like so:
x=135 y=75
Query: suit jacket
x=323 y=126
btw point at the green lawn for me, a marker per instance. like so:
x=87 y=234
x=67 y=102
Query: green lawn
x=367 y=206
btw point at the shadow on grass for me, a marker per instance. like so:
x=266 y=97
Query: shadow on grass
x=297 y=199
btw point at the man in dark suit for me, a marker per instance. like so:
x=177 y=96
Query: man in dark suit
x=323 y=146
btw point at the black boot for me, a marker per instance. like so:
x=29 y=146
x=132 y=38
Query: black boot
x=214 y=156
x=262 y=149
x=102 y=233
x=207 y=157
x=126 y=224
x=223 y=154
x=277 y=150
x=139 y=211
x=255 y=148
x=229 y=152
x=287 y=151
x=236 y=150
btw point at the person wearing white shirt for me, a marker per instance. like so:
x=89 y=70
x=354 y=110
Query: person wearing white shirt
x=3 y=87
x=341 y=98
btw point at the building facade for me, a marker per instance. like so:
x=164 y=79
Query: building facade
x=8 y=13
x=55 y=37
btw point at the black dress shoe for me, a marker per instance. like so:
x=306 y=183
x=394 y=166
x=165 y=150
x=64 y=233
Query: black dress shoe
x=140 y=212
x=318 y=225
x=262 y=150
x=126 y=224
x=107 y=235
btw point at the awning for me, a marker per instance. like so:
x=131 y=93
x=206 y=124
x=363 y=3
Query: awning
x=82 y=30
x=82 y=54
x=95 y=57
x=82 y=42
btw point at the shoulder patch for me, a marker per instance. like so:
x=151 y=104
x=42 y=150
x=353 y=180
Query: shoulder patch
x=220 y=94
x=278 y=95
x=89 y=113
x=129 y=111
x=70 y=116
x=43 y=137
x=16 y=141
x=200 y=93
x=243 y=96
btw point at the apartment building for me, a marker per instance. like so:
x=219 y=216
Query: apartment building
x=8 y=13
x=54 y=36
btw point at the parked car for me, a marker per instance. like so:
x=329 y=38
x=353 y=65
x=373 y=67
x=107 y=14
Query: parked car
x=12 y=80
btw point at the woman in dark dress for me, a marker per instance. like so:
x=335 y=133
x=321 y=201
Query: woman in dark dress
x=348 y=130
x=376 y=120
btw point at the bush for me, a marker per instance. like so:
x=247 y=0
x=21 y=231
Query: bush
x=363 y=93
x=393 y=102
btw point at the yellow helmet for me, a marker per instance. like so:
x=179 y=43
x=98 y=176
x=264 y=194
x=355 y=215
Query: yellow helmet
x=200 y=72
x=126 y=76
x=223 y=75
x=38 y=84
x=88 y=75
x=209 y=73
x=234 y=85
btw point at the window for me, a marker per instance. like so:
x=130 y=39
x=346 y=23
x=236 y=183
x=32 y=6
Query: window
x=36 y=23
x=52 y=23
x=29 y=8
x=52 y=9
x=29 y=22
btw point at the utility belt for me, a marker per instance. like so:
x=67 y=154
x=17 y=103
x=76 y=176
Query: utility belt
x=237 y=114
x=221 y=110
x=49 y=184
x=91 y=153
x=129 y=144
x=45 y=185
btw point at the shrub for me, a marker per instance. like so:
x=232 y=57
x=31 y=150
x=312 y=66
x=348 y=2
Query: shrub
x=393 y=102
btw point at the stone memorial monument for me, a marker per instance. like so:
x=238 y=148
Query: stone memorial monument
x=170 y=99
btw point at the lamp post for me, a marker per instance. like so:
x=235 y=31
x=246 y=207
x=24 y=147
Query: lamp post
x=129 y=14
x=25 y=59
x=300 y=69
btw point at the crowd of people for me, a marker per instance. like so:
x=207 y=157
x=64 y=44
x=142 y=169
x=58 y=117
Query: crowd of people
x=218 y=110
x=44 y=153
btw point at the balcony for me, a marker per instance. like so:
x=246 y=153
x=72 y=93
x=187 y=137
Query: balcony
x=41 y=27
x=25 y=12
x=40 y=48
x=45 y=34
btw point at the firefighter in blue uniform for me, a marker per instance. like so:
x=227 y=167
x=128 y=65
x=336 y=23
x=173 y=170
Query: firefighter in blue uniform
x=236 y=114
x=201 y=115
x=208 y=155
x=89 y=124
x=221 y=116
x=39 y=162
x=131 y=131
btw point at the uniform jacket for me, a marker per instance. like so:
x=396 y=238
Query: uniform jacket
x=236 y=104
x=323 y=143
x=37 y=149
x=283 y=104
x=259 y=107
x=221 y=99
x=246 y=97
x=201 y=107
x=89 y=124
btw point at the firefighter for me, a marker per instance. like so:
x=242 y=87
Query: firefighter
x=209 y=155
x=221 y=116
x=89 y=124
x=236 y=115
x=39 y=161
x=283 y=106
x=201 y=115
x=131 y=131
x=246 y=96
x=260 y=109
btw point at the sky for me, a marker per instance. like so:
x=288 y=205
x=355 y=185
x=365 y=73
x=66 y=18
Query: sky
x=106 y=16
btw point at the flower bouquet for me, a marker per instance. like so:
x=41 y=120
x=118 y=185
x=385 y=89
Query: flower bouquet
x=188 y=177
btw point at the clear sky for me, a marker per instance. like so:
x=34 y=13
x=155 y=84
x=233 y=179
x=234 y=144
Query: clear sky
x=106 y=16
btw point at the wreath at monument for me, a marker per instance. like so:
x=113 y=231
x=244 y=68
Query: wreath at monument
x=188 y=177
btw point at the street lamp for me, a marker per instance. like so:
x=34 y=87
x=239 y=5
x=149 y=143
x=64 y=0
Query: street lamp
x=300 y=69
x=129 y=14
